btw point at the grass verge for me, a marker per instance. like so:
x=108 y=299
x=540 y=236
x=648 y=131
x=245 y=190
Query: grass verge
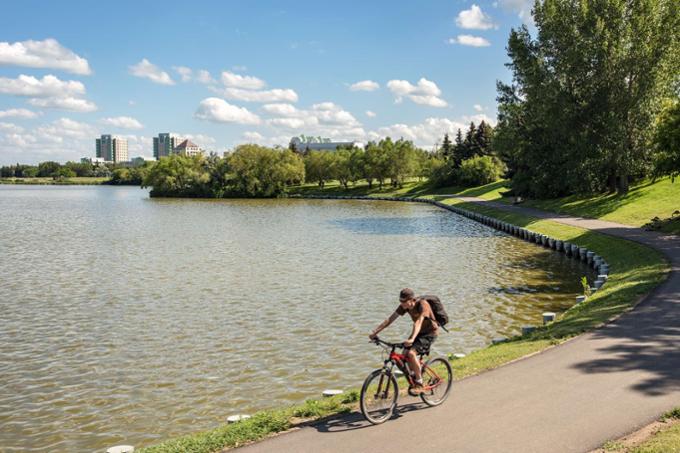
x=659 y=437
x=77 y=181
x=635 y=270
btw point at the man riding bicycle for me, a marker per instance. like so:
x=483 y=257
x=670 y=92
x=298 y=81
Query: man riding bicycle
x=423 y=334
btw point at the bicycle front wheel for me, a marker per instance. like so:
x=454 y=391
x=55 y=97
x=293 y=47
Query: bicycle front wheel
x=437 y=380
x=379 y=396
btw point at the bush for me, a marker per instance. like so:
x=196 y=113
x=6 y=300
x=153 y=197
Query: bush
x=480 y=170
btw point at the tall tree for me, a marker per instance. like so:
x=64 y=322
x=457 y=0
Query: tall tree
x=585 y=91
x=447 y=147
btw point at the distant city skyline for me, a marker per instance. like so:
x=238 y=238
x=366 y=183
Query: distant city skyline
x=246 y=73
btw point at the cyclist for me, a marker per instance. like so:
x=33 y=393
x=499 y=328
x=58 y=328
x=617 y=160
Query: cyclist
x=422 y=336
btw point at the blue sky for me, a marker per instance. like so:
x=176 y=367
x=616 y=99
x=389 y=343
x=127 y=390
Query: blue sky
x=224 y=73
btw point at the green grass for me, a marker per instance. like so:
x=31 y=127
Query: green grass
x=641 y=204
x=77 y=181
x=665 y=441
x=635 y=270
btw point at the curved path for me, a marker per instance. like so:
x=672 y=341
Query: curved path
x=571 y=398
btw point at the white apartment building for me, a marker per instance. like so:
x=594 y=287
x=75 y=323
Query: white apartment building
x=111 y=148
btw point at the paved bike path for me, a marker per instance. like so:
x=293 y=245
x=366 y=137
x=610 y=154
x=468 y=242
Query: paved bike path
x=570 y=398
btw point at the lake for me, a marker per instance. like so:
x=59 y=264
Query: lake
x=131 y=320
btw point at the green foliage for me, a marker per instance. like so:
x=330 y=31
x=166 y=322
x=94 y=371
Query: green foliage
x=133 y=176
x=179 y=176
x=63 y=173
x=48 y=168
x=480 y=170
x=578 y=116
x=319 y=167
x=258 y=171
x=586 y=287
x=673 y=414
x=667 y=141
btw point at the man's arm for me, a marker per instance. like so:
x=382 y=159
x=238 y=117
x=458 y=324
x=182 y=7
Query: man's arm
x=416 y=329
x=383 y=325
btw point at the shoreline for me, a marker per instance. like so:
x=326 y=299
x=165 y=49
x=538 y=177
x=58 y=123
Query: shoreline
x=514 y=349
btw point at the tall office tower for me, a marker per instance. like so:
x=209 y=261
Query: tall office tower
x=164 y=144
x=112 y=148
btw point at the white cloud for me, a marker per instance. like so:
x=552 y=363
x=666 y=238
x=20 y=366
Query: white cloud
x=478 y=108
x=64 y=103
x=19 y=113
x=147 y=70
x=48 y=86
x=478 y=118
x=521 y=7
x=124 y=122
x=474 y=19
x=364 y=85
x=329 y=113
x=205 y=78
x=11 y=128
x=184 y=73
x=66 y=128
x=469 y=40
x=61 y=140
x=286 y=110
x=292 y=123
x=254 y=137
x=229 y=79
x=425 y=92
x=423 y=134
x=204 y=141
x=43 y=54
x=275 y=95
x=370 y=114
x=220 y=111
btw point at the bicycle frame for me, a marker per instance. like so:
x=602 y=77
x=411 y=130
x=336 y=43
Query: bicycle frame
x=400 y=360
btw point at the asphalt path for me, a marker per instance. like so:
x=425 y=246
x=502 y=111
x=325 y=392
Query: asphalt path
x=570 y=398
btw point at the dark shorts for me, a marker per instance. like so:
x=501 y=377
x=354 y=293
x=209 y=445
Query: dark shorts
x=422 y=343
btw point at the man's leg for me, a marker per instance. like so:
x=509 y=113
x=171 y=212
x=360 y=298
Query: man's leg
x=414 y=365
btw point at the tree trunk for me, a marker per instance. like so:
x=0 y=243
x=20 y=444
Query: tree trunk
x=622 y=184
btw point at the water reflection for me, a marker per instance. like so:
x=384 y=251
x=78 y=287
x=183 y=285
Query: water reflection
x=127 y=319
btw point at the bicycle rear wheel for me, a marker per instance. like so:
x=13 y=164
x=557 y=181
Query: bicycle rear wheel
x=379 y=396
x=437 y=380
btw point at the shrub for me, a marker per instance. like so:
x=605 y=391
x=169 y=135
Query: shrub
x=480 y=170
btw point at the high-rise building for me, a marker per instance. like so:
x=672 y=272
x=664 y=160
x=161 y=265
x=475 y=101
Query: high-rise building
x=112 y=148
x=164 y=144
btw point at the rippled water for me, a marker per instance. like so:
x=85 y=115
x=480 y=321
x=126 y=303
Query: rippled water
x=127 y=319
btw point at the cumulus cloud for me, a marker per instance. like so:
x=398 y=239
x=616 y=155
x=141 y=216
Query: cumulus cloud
x=478 y=108
x=469 y=40
x=11 y=128
x=282 y=109
x=364 y=85
x=274 y=95
x=205 y=78
x=370 y=114
x=254 y=137
x=423 y=134
x=185 y=73
x=521 y=7
x=63 y=128
x=125 y=122
x=19 y=113
x=425 y=92
x=474 y=19
x=64 y=103
x=220 y=111
x=43 y=54
x=48 y=86
x=147 y=70
x=230 y=79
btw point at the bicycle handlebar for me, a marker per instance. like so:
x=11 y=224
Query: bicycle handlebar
x=378 y=341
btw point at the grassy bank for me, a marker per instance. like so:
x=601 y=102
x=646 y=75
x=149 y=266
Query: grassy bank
x=76 y=181
x=662 y=436
x=635 y=270
x=638 y=207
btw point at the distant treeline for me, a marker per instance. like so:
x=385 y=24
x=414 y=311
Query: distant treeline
x=116 y=174
x=259 y=171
